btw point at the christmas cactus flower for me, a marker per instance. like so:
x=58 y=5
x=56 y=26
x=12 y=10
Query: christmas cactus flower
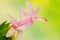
x=29 y=19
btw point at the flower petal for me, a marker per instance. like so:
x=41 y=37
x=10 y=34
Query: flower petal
x=29 y=7
x=13 y=21
x=37 y=9
x=10 y=32
x=23 y=11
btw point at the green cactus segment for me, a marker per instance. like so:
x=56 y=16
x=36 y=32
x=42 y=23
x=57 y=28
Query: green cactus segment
x=3 y=30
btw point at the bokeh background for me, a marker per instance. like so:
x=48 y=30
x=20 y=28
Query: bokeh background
x=50 y=9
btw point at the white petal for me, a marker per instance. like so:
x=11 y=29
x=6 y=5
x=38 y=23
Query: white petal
x=10 y=32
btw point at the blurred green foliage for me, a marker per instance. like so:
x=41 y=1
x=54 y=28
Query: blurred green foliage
x=3 y=30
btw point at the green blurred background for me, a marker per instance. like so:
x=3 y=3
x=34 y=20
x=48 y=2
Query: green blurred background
x=50 y=9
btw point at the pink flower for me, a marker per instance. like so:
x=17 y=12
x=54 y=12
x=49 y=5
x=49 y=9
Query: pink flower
x=26 y=22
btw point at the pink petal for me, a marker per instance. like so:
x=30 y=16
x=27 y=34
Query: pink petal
x=13 y=21
x=37 y=10
x=23 y=11
x=29 y=7
x=25 y=21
